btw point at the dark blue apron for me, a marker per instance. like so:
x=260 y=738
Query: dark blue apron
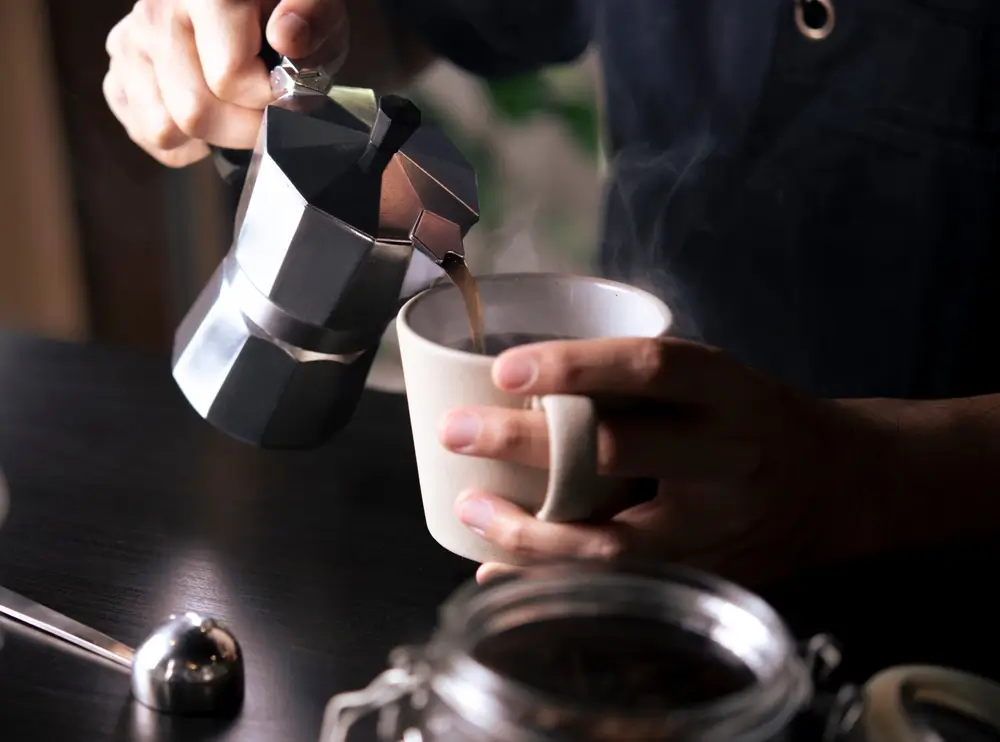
x=823 y=209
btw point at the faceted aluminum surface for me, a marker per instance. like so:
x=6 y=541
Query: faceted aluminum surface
x=340 y=190
x=256 y=388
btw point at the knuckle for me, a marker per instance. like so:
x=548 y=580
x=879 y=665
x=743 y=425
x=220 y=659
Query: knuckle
x=113 y=92
x=510 y=435
x=164 y=134
x=221 y=76
x=142 y=13
x=191 y=113
x=173 y=158
x=113 y=42
x=514 y=538
x=120 y=40
x=609 y=450
x=605 y=546
x=650 y=360
x=164 y=158
x=149 y=11
x=572 y=374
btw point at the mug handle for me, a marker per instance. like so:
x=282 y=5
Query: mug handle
x=572 y=494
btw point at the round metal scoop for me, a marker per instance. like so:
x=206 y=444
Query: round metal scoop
x=190 y=665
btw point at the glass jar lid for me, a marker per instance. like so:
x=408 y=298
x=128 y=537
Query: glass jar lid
x=920 y=703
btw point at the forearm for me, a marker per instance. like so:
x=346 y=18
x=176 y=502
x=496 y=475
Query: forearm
x=496 y=38
x=386 y=53
x=935 y=480
x=392 y=41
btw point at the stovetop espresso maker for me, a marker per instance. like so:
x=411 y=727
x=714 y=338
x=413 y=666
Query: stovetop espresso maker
x=349 y=203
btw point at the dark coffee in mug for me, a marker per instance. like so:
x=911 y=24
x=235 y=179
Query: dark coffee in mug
x=496 y=343
x=478 y=341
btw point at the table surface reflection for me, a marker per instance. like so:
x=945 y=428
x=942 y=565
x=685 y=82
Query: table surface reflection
x=125 y=507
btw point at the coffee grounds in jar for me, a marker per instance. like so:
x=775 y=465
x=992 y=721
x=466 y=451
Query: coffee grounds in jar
x=623 y=663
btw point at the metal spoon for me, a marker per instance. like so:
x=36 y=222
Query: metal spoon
x=189 y=665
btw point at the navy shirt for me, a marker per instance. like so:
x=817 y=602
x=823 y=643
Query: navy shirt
x=824 y=210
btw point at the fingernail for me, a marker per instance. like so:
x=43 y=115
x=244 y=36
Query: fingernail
x=461 y=431
x=515 y=372
x=298 y=32
x=476 y=514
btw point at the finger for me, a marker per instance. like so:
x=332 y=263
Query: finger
x=188 y=152
x=150 y=125
x=228 y=38
x=192 y=106
x=132 y=94
x=114 y=43
x=628 y=445
x=192 y=151
x=665 y=369
x=311 y=31
x=497 y=433
x=523 y=535
x=492 y=570
x=698 y=523
x=117 y=100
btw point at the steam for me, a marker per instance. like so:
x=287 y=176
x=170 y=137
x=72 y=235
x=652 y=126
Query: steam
x=651 y=212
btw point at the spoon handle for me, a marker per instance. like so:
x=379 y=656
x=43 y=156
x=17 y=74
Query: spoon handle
x=22 y=610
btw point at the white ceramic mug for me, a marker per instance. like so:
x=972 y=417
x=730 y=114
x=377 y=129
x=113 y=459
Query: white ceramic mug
x=439 y=377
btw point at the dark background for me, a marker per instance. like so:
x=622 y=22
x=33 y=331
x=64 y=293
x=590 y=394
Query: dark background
x=135 y=240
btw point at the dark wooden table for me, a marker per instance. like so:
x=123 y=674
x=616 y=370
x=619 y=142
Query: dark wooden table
x=127 y=506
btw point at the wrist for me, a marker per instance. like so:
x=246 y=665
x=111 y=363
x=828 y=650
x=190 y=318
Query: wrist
x=859 y=481
x=927 y=474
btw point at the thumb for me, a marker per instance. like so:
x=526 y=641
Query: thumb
x=309 y=31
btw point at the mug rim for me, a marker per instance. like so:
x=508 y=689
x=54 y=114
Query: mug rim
x=403 y=324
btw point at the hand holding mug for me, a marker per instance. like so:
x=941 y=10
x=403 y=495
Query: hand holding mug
x=440 y=374
x=753 y=480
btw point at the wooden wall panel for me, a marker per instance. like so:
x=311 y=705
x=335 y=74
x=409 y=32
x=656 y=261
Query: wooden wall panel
x=42 y=286
x=150 y=236
x=119 y=190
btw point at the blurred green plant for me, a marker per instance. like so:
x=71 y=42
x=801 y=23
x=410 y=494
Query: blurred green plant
x=522 y=98
x=519 y=100
x=491 y=206
x=562 y=94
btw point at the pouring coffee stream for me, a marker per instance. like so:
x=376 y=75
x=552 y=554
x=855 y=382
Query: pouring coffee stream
x=458 y=271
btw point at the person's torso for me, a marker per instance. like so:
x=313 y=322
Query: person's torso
x=824 y=210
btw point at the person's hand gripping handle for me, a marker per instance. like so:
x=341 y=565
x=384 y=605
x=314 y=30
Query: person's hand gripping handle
x=185 y=75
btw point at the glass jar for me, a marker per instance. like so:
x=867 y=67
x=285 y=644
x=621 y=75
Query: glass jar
x=590 y=653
